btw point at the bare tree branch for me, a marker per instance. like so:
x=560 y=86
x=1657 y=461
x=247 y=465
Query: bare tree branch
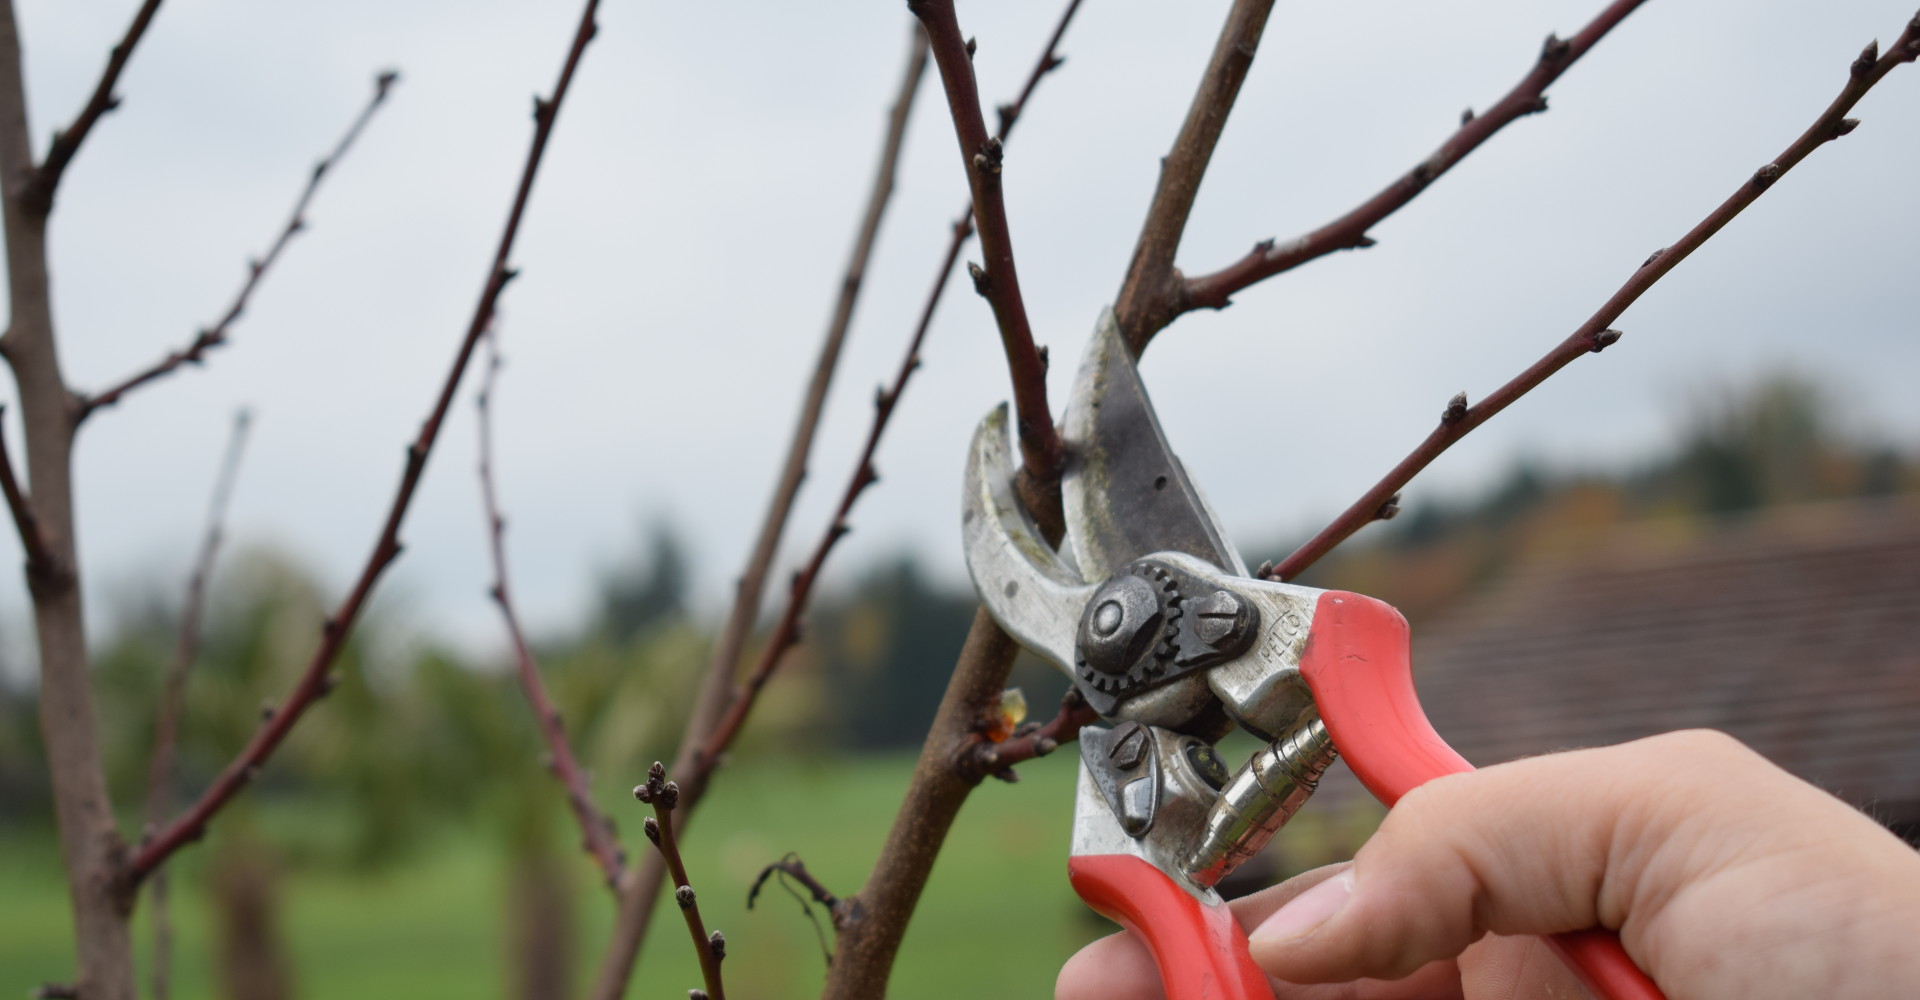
x=216 y=335
x=91 y=847
x=174 y=696
x=1148 y=296
x=38 y=193
x=663 y=795
x=596 y=829
x=43 y=561
x=641 y=883
x=877 y=915
x=1458 y=419
x=998 y=281
x=317 y=680
x=1213 y=291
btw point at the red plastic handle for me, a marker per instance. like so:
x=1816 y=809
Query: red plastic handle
x=1358 y=665
x=1200 y=949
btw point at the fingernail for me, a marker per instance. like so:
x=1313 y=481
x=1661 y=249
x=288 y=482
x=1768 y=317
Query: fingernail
x=1304 y=914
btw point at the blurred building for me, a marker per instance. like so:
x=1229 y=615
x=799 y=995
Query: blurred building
x=1796 y=630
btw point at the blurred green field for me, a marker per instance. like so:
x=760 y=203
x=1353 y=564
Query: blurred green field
x=996 y=920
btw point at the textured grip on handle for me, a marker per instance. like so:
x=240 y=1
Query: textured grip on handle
x=1359 y=667
x=1200 y=949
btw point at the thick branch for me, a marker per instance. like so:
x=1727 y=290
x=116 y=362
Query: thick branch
x=216 y=335
x=1214 y=291
x=38 y=195
x=877 y=916
x=596 y=829
x=317 y=680
x=91 y=847
x=998 y=281
x=1149 y=295
x=1594 y=335
x=173 y=700
x=642 y=882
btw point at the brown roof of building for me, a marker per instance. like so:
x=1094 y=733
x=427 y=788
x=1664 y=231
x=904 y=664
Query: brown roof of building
x=1796 y=631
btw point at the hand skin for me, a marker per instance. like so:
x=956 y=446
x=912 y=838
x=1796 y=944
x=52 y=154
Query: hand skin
x=1725 y=876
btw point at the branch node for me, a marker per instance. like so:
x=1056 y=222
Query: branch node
x=1604 y=339
x=717 y=943
x=1388 y=511
x=1868 y=56
x=1466 y=117
x=1845 y=126
x=973 y=45
x=1653 y=256
x=1456 y=410
x=988 y=159
x=1538 y=106
x=1365 y=242
x=1766 y=175
x=684 y=896
x=651 y=827
x=1554 y=48
x=981 y=286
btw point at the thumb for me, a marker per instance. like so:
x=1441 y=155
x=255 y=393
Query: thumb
x=1686 y=843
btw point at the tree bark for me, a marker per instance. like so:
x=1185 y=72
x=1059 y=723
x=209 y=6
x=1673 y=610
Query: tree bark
x=89 y=839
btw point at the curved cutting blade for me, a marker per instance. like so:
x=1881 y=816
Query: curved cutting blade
x=1026 y=586
x=1125 y=493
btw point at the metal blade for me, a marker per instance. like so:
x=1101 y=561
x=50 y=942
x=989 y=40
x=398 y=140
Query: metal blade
x=1023 y=582
x=1125 y=493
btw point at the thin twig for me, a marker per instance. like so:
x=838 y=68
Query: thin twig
x=981 y=756
x=43 y=558
x=1148 y=293
x=596 y=829
x=317 y=679
x=997 y=281
x=663 y=795
x=216 y=335
x=641 y=885
x=1595 y=334
x=786 y=633
x=38 y=195
x=791 y=867
x=174 y=696
x=1214 y=291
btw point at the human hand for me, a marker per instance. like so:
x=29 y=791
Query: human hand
x=1725 y=876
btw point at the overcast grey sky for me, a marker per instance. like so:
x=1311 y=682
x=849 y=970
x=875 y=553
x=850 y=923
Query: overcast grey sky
x=686 y=237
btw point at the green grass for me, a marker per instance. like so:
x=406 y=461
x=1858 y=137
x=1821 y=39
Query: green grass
x=997 y=918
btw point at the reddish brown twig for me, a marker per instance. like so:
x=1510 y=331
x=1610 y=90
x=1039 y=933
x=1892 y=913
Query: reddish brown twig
x=1214 y=291
x=43 y=559
x=997 y=281
x=981 y=756
x=1592 y=336
x=596 y=829
x=38 y=195
x=786 y=633
x=174 y=696
x=1148 y=295
x=641 y=885
x=316 y=680
x=663 y=795
x=216 y=335
x=791 y=867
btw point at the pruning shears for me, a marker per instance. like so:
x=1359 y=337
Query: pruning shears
x=1153 y=616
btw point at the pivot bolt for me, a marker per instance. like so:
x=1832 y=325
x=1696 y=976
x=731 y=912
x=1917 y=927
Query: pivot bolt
x=1221 y=619
x=1129 y=746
